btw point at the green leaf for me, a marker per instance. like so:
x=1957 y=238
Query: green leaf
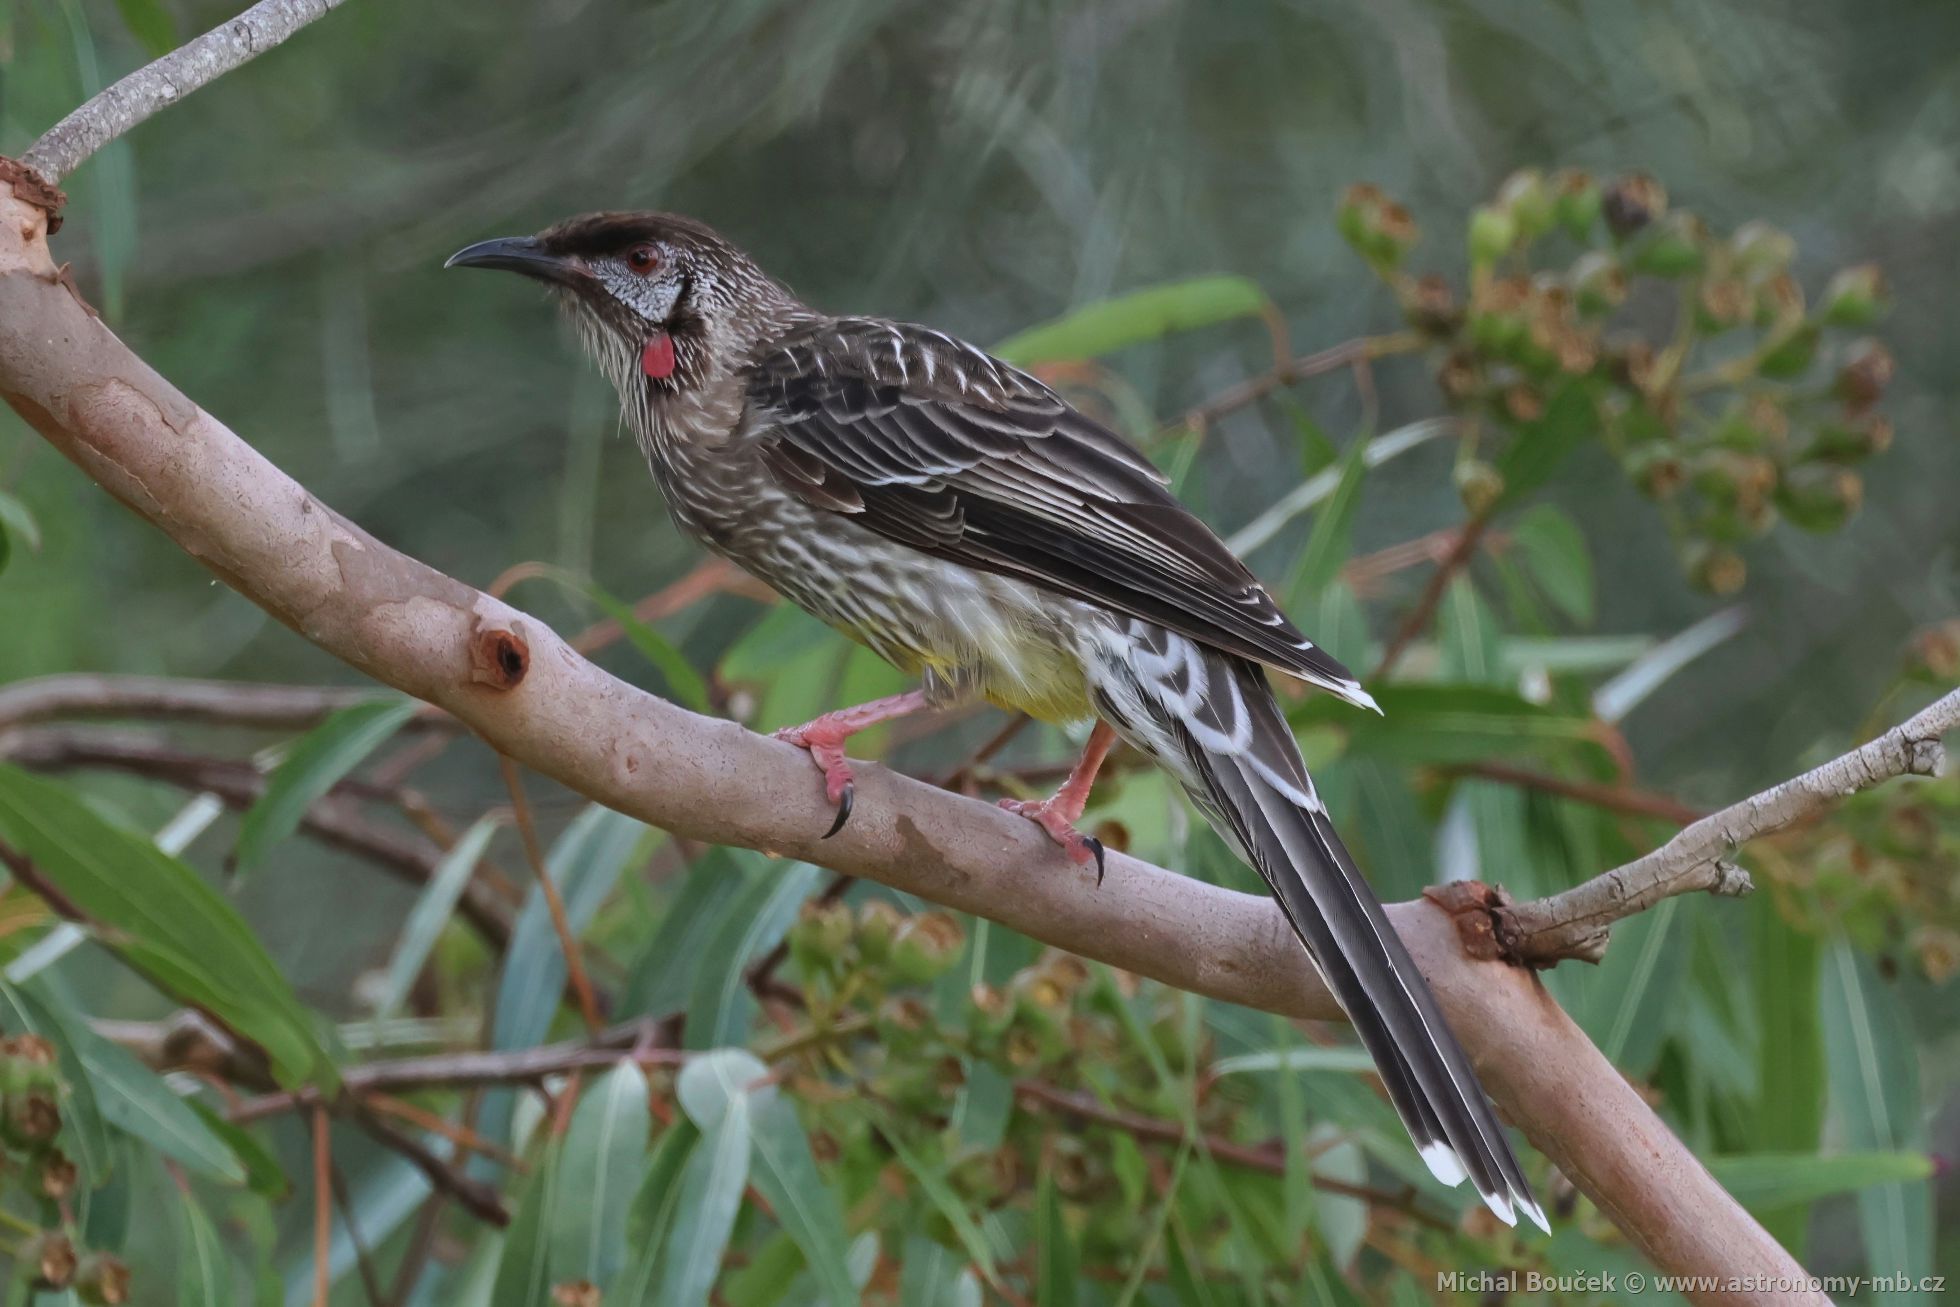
x=661 y=976
x=1571 y=418
x=598 y=1171
x=785 y=1172
x=1102 y=328
x=932 y=1182
x=150 y=24
x=432 y=911
x=1294 y=1060
x=710 y=1197
x=674 y=668
x=162 y=918
x=1766 y=1182
x=1874 y=1081
x=319 y=760
x=1467 y=631
x=85 y=1128
x=1054 y=1250
x=1437 y=725
x=1331 y=539
x=1553 y=550
x=652 y=1214
x=721 y=1007
x=18 y=521
x=1790 y=1074
x=524 y=1271
x=203 y=1267
x=933 y=1277
x=262 y=1170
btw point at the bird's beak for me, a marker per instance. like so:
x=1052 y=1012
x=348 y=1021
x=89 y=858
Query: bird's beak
x=521 y=254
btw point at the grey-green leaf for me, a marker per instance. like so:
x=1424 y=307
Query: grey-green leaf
x=432 y=911
x=1553 y=550
x=785 y=1172
x=598 y=1170
x=318 y=761
x=710 y=1198
x=1104 y=327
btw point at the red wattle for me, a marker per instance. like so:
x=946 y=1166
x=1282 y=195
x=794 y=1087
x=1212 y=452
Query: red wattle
x=657 y=359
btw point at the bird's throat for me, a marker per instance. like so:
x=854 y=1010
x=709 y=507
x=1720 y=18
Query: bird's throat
x=657 y=359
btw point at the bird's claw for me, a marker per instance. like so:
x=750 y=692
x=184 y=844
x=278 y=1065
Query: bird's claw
x=828 y=755
x=1060 y=825
x=844 y=802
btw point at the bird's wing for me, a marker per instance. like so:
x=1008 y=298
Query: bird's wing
x=932 y=443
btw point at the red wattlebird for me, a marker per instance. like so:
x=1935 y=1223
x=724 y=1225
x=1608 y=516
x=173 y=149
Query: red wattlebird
x=963 y=521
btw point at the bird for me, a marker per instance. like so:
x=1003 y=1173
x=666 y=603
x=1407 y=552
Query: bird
x=969 y=525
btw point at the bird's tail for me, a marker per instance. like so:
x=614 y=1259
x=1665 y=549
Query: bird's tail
x=1211 y=719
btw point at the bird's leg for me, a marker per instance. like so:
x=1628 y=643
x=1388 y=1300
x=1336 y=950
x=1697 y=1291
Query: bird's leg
x=824 y=740
x=1058 y=813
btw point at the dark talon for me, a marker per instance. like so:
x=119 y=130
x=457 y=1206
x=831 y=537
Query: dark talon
x=844 y=809
x=1096 y=846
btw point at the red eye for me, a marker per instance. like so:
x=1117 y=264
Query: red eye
x=643 y=258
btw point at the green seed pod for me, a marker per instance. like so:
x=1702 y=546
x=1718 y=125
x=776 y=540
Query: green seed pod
x=1852 y=439
x=1819 y=496
x=1525 y=197
x=993 y=1010
x=1790 y=356
x=1855 y=297
x=1632 y=203
x=820 y=936
x=1867 y=371
x=903 y=1022
x=1722 y=303
x=1478 y=485
x=57 y=1176
x=102 y=1280
x=1458 y=377
x=1716 y=569
x=1761 y=251
x=29 y=1119
x=1599 y=284
x=1493 y=233
x=1380 y=230
x=877 y=925
x=1727 y=478
x=1577 y=202
x=925 y=946
x=1677 y=247
x=1430 y=306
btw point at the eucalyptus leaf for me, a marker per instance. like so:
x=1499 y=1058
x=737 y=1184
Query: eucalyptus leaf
x=432 y=910
x=1112 y=324
x=710 y=1197
x=317 y=762
x=599 y=1168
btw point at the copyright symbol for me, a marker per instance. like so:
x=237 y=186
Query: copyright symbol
x=1636 y=1282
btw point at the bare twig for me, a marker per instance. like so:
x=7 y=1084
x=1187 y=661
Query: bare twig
x=478 y=1198
x=1613 y=798
x=333 y=820
x=220 y=703
x=588 y=1003
x=1432 y=595
x=322 y=1209
x=1287 y=373
x=703 y=779
x=1271 y=1161
x=1575 y=924
x=161 y=84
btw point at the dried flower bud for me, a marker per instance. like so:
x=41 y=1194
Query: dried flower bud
x=1493 y=233
x=1380 y=230
x=1576 y=202
x=1722 y=303
x=1727 y=478
x=1935 y=653
x=29 y=1119
x=1855 y=297
x=1598 y=282
x=877 y=924
x=1479 y=485
x=1852 y=440
x=1716 y=569
x=57 y=1176
x=1867 y=371
x=102 y=1280
x=1632 y=203
x=1458 y=377
x=993 y=1009
x=1523 y=403
x=575 y=1293
x=1753 y=425
x=1761 y=250
x=1430 y=306
x=1631 y=364
x=1819 y=496
x=1779 y=299
x=50 y=1260
x=1657 y=471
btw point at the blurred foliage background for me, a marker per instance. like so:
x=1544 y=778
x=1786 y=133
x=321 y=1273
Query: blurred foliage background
x=1642 y=612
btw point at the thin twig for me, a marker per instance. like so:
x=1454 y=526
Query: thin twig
x=1432 y=595
x=159 y=85
x=480 y=1199
x=363 y=1256
x=322 y=1208
x=220 y=703
x=1269 y=1160
x=1331 y=359
x=1575 y=924
x=1613 y=798
x=588 y=1004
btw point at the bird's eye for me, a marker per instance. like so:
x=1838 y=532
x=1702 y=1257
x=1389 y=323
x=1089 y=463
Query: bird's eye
x=643 y=258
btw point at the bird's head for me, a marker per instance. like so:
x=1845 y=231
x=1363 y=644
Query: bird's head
x=665 y=304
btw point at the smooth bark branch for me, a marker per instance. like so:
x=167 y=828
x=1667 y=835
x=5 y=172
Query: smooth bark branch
x=511 y=679
x=1575 y=924
x=161 y=84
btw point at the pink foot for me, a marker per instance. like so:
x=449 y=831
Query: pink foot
x=824 y=740
x=1058 y=816
x=826 y=749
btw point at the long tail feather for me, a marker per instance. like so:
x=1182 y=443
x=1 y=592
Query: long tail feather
x=1212 y=720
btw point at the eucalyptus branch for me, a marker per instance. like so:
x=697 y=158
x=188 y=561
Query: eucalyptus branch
x=1575 y=923
x=216 y=703
x=516 y=683
x=159 y=85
